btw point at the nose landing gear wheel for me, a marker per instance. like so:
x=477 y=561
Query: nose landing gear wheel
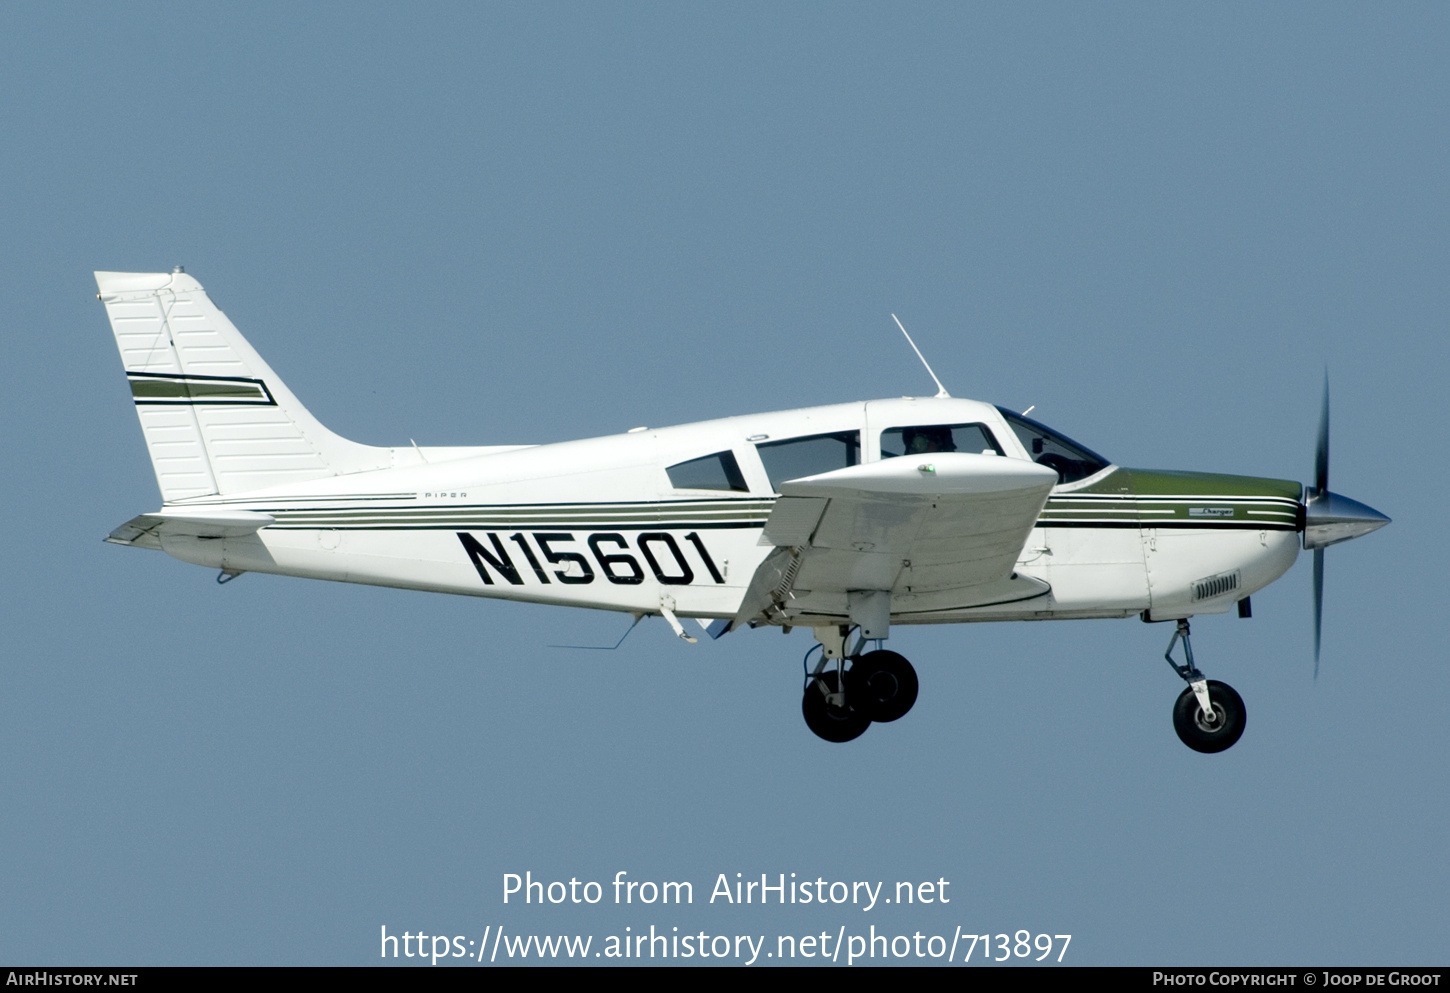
x=828 y=721
x=1203 y=733
x=882 y=684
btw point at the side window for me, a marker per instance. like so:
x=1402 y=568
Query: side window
x=713 y=472
x=808 y=456
x=973 y=439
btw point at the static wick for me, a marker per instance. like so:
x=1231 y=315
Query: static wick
x=606 y=648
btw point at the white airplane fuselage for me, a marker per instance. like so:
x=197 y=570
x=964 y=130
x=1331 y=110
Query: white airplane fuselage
x=597 y=523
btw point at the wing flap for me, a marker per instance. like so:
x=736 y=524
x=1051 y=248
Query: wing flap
x=793 y=520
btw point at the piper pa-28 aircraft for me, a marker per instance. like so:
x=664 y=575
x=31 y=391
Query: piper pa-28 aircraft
x=847 y=519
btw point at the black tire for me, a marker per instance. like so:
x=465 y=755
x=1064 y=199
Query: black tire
x=882 y=684
x=1205 y=736
x=828 y=722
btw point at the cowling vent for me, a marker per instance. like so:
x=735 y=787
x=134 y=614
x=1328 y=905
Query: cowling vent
x=1215 y=586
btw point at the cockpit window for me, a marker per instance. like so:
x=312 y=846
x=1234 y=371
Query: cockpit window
x=713 y=472
x=797 y=457
x=973 y=439
x=1046 y=447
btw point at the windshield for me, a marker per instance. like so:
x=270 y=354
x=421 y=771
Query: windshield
x=1046 y=447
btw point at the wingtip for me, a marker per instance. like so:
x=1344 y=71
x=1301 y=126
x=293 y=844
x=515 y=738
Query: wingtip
x=133 y=282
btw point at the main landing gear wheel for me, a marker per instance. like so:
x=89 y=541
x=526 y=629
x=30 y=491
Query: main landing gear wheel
x=827 y=720
x=882 y=684
x=1204 y=733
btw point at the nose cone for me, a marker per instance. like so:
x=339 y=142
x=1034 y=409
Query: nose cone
x=1330 y=518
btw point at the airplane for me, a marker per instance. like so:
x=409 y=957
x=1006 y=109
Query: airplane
x=847 y=519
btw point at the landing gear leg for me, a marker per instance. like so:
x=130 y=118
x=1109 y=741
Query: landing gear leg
x=825 y=706
x=1208 y=716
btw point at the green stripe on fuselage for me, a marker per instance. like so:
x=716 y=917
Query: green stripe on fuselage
x=678 y=514
x=1155 y=482
x=1154 y=498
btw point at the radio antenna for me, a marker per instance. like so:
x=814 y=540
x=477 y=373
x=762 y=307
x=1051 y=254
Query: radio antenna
x=941 y=390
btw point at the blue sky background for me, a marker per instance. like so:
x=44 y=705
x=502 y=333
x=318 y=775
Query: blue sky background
x=504 y=223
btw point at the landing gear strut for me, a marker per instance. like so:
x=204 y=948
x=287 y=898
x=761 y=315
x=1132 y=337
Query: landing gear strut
x=840 y=703
x=1208 y=716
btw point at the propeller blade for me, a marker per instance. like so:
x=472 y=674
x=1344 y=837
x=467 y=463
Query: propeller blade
x=1321 y=450
x=1321 y=491
x=1330 y=518
x=1318 y=604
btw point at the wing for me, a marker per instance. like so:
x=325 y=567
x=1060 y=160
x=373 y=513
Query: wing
x=938 y=532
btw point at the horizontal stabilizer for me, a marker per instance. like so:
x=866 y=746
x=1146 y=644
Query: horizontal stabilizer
x=147 y=530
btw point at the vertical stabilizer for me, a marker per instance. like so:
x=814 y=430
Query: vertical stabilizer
x=217 y=420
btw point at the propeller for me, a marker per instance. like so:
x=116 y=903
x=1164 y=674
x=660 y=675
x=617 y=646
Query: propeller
x=1321 y=485
x=1330 y=518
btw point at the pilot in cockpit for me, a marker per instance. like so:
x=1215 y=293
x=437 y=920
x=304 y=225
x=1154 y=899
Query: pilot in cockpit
x=920 y=441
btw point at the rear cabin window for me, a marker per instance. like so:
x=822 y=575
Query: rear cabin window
x=713 y=472
x=808 y=456
x=973 y=439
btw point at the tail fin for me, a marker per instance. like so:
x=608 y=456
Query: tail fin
x=217 y=420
